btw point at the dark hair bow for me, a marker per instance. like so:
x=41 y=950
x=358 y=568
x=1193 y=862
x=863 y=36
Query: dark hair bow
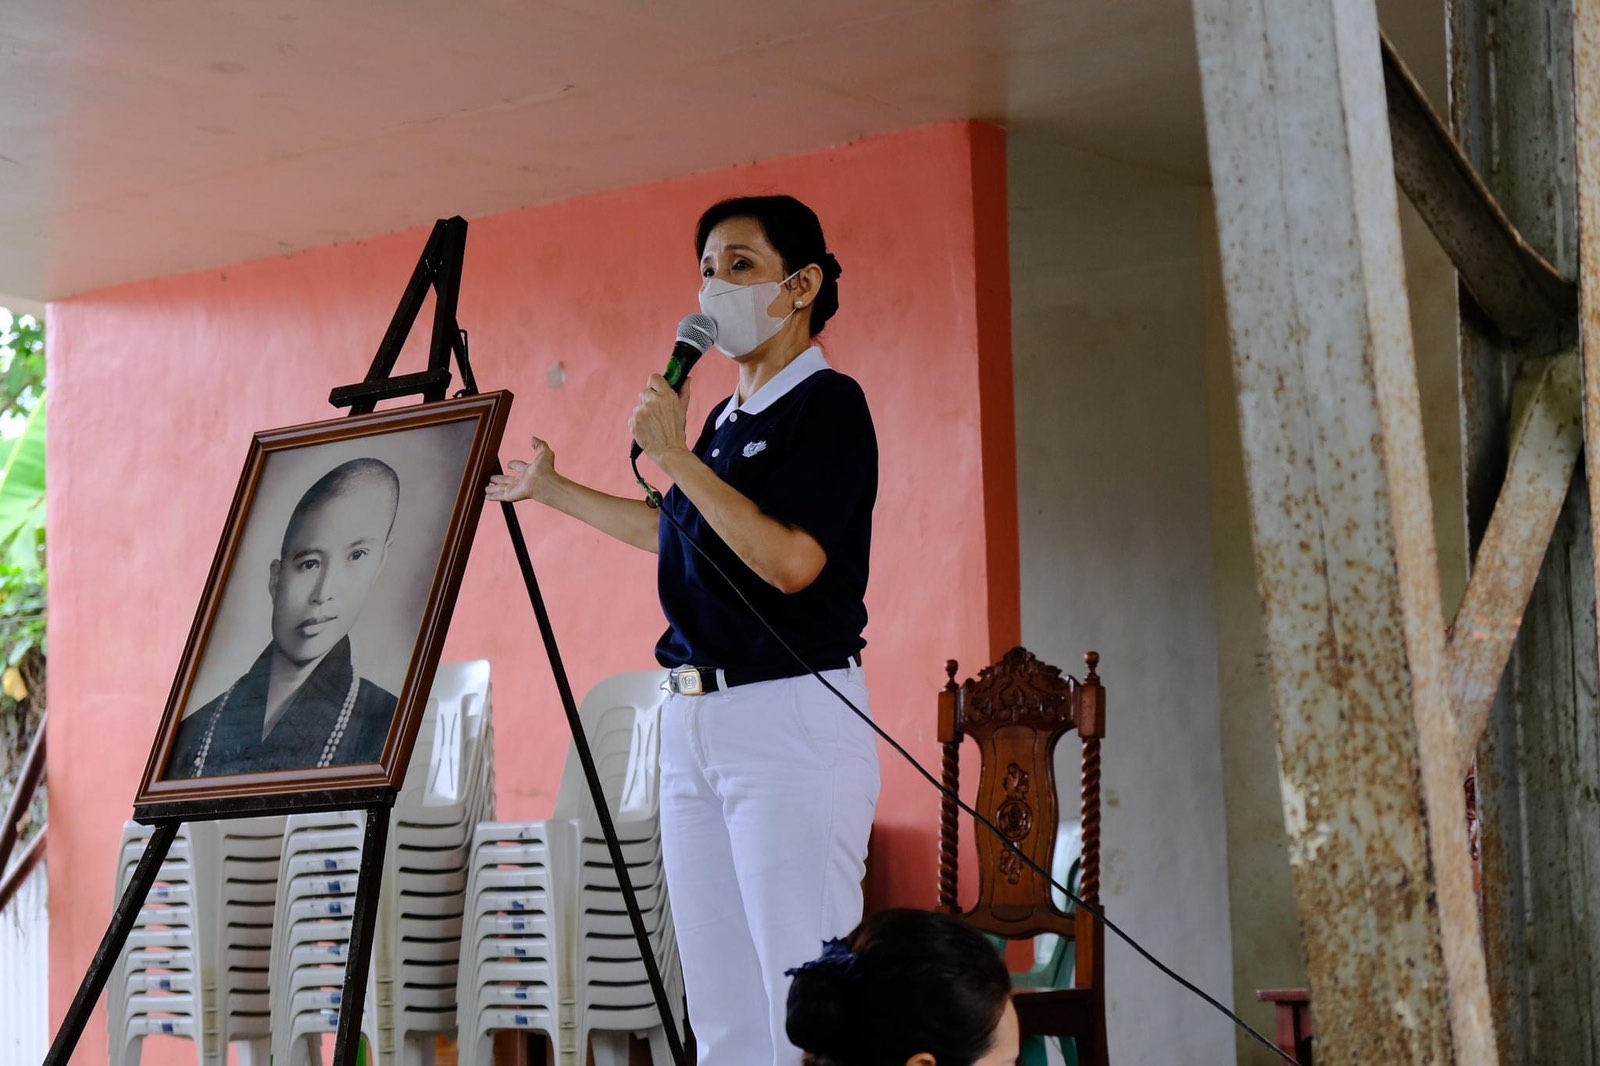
x=836 y=955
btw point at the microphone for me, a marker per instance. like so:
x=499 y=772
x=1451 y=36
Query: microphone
x=695 y=334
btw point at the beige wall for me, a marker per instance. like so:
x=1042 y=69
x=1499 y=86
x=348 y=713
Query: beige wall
x=1266 y=935
x=1109 y=324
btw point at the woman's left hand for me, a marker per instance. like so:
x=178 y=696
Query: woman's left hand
x=658 y=422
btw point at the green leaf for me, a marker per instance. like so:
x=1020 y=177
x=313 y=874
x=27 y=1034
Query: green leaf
x=22 y=492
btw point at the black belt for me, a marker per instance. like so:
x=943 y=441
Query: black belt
x=698 y=680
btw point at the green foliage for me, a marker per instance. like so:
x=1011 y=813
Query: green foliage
x=22 y=613
x=22 y=495
x=21 y=365
x=23 y=582
x=22 y=437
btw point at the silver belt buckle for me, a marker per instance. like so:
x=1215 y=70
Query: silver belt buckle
x=686 y=681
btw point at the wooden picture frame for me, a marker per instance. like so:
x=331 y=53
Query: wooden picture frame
x=352 y=617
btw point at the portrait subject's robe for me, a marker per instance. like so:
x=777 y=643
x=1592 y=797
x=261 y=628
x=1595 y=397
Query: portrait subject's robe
x=224 y=736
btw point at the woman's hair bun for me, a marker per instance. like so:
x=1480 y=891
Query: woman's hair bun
x=830 y=267
x=905 y=983
x=821 y=1015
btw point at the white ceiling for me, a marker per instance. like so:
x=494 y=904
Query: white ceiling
x=140 y=138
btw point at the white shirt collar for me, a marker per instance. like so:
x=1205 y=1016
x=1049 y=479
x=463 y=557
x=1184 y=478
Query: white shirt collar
x=804 y=365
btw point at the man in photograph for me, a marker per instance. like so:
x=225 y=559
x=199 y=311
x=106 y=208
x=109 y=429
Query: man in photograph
x=302 y=704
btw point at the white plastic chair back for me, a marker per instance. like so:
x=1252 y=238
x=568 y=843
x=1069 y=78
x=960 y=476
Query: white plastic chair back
x=457 y=706
x=641 y=795
x=618 y=716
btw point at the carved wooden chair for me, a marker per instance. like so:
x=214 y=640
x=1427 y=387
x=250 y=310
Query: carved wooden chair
x=1016 y=711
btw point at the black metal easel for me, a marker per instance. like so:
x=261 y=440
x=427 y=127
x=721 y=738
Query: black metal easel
x=438 y=269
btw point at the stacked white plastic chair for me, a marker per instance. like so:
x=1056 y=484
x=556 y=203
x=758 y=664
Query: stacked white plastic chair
x=316 y=901
x=515 y=953
x=410 y=998
x=551 y=948
x=195 y=965
x=155 y=987
x=449 y=792
x=250 y=854
x=614 y=998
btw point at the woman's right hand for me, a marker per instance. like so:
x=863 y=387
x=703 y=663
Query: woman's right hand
x=524 y=480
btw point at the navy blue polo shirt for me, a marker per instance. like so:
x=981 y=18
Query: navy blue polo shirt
x=804 y=451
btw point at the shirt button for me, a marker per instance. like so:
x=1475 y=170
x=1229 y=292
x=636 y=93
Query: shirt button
x=715 y=452
x=734 y=417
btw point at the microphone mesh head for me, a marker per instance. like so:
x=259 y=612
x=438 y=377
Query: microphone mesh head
x=699 y=330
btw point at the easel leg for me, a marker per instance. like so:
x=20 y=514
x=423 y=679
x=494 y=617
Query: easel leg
x=358 y=958
x=127 y=912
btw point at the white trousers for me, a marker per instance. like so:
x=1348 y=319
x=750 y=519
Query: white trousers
x=767 y=796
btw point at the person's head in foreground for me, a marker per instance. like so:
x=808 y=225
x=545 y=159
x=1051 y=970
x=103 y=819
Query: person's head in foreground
x=333 y=550
x=906 y=988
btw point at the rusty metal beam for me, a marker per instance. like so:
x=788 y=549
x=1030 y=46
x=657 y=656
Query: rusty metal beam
x=22 y=798
x=12 y=878
x=1586 y=99
x=1586 y=136
x=1512 y=80
x=1301 y=165
x=1519 y=291
x=1544 y=453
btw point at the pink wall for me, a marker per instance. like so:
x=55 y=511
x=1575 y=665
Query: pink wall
x=156 y=388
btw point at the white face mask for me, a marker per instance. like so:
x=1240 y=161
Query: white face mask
x=743 y=324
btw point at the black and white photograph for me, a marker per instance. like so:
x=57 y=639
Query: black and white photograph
x=338 y=556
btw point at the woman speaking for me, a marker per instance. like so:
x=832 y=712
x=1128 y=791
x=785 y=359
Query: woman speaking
x=768 y=781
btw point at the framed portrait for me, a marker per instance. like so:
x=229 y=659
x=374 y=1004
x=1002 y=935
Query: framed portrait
x=308 y=666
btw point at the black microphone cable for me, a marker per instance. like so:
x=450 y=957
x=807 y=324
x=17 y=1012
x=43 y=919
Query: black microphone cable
x=654 y=499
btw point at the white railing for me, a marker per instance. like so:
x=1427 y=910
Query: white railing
x=24 y=966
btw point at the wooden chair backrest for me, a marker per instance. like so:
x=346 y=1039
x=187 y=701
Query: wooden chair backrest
x=1017 y=710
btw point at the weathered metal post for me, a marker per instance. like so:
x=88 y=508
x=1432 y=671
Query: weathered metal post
x=1302 y=172
x=1515 y=112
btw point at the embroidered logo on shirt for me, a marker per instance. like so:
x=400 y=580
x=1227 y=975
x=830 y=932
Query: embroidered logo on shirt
x=754 y=448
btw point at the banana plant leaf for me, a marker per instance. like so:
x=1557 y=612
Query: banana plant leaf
x=22 y=492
